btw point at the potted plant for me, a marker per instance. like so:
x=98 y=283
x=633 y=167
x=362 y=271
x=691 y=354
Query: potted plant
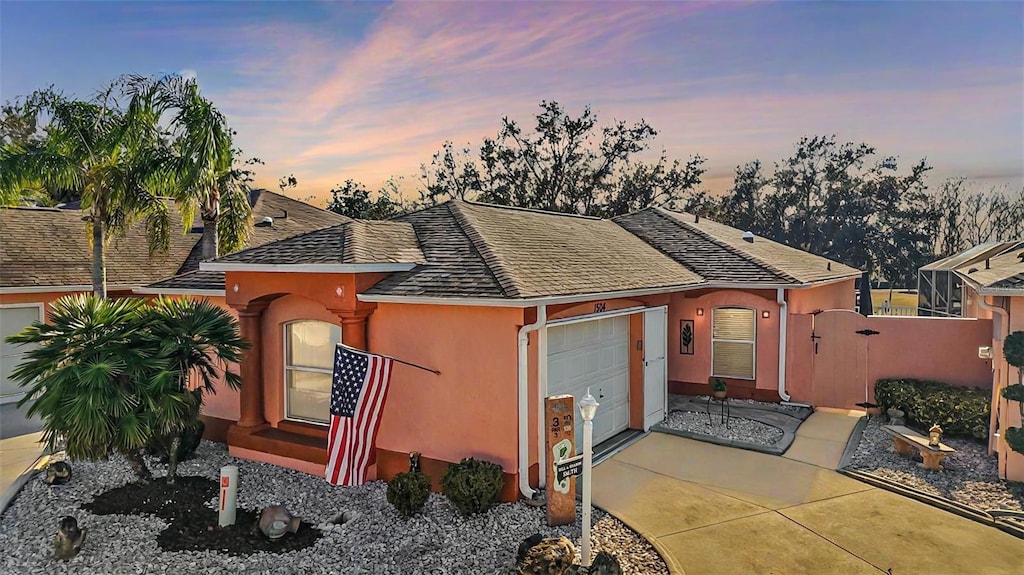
x=718 y=388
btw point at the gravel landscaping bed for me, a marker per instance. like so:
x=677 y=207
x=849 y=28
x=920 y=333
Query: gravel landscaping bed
x=969 y=476
x=374 y=539
x=740 y=428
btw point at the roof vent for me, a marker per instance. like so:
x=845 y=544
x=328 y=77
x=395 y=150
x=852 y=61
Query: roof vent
x=696 y=218
x=988 y=264
x=266 y=222
x=828 y=266
x=748 y=237
x=972 y=270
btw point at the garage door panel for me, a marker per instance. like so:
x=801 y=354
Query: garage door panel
x=593 y=354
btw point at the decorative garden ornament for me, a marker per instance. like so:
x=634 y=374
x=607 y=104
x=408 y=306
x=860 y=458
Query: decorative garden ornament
x=275 y=521
x=69 y=538
x=934 y=435
x=414 y=462
x=57 y=473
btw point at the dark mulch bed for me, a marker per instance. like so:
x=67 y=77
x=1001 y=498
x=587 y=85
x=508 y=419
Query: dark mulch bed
x=193 y=525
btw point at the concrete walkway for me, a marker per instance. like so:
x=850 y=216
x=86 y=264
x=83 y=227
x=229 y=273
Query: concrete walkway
x=713 y=510
x=17 y=454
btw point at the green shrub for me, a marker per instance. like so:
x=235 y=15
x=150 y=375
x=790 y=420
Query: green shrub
x=1015 y=438
x=472 y=485
x=408 y=492
x=1014 y=392
x=718 y=384
x=962 y=411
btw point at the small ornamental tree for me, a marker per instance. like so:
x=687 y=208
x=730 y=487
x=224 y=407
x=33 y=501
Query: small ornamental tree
x=112 y=376
x=1013 y=351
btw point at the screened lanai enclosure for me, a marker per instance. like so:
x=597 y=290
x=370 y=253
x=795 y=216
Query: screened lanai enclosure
x=940 y=290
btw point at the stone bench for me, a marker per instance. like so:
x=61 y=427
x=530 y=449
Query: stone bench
x=907 y=440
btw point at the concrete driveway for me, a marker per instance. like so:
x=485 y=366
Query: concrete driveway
x=713 y=510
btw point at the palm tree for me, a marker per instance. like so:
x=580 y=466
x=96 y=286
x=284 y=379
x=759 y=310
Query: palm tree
x=114 y=158
x=82 y=377
x=209 y=182
x=116 y=375
x=200 y=340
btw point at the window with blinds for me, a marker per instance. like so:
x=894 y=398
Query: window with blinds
x=733 y=339
x=309 y=365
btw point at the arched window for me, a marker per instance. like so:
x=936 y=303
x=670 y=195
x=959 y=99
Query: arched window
x=733 y=342
x=308 y=366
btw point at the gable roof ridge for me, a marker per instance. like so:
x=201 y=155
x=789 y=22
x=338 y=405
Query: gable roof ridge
x=348 y=239
x=529 y=210
x=673 y=216
x=494 y=265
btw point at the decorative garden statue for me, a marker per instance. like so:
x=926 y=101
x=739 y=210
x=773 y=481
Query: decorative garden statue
x=275 y=521
x=895 y=416
x=57 y=473
x=414 y=462
x=69 y=538
x=934 y=435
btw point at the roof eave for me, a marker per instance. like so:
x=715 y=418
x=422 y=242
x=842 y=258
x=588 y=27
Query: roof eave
x=148 y=290
x=307 y=268
x=577 y=298
x=61 y=288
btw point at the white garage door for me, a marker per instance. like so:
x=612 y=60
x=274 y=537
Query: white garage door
x=593 y=354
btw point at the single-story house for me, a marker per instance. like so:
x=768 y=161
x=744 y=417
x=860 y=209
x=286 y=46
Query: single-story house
x=511 y=306
x=993 y=287
x=45 y=254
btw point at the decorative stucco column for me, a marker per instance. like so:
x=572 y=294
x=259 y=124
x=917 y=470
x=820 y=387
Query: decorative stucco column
x=353 y=328
x=250 y=320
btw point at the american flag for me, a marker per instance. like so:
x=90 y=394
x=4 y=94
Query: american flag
x=358 y=392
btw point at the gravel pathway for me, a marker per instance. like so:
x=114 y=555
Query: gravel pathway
x=377 y=540
x=740 y=428
x=970 y=475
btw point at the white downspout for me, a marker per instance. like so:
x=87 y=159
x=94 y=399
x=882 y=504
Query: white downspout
x=542 y=392
x=780 y=298
x=524 y=400
x=997 y=334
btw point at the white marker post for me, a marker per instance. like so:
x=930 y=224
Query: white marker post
x=228 y=494
x=588 y=408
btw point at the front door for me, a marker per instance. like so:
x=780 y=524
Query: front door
x=655 y=367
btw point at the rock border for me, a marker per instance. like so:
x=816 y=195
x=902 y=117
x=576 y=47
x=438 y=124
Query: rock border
x=786 y=418
x=1008 y=525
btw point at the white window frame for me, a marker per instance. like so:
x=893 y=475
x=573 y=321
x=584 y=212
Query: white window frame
x=286 y=368
x=753 y=342
x=42 y=317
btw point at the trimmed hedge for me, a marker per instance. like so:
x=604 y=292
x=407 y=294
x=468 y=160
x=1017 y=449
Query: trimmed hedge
x=408 y=492
x=962 y=411
x=473 y=485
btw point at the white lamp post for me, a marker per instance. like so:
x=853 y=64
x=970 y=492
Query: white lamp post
x=588 y=408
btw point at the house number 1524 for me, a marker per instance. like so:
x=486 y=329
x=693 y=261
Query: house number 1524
x=600 y=307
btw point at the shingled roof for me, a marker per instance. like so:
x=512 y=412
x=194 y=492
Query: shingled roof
x=351 y=243
x=495 y=251
x=61 y=256
x=49 y=247
x=1003 y=272
x=470 y=250
x=719 y=253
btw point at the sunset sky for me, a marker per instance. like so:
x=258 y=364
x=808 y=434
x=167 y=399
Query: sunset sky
x=333 y=90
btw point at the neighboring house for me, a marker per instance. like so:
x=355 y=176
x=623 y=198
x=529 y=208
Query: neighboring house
x=940 y=289
x=511 y=306
x=994 y=288
x=45 y=253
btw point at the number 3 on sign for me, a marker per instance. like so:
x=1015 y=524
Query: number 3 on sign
x=600 y=307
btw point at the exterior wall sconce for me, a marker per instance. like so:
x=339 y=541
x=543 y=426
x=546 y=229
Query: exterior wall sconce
x=985 y=352
x=339 y=291
x=700 y=311
x=766 y=314
x=234 y=288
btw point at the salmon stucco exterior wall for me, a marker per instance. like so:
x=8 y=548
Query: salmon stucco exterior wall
x=696 y=368
x=469 y=410
x=838 y=295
